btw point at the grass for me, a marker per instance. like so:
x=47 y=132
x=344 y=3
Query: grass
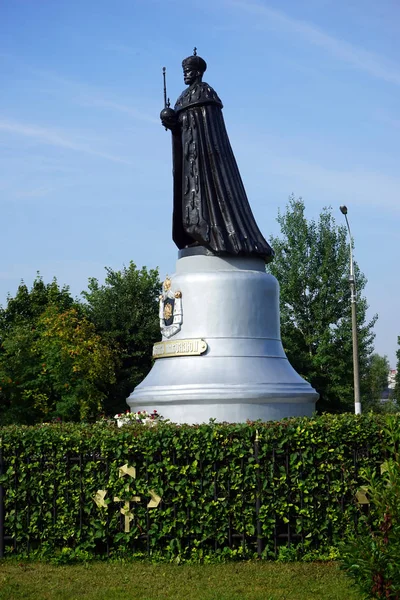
x=143 y=581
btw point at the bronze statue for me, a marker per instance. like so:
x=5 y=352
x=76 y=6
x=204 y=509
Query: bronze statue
x=210 y=203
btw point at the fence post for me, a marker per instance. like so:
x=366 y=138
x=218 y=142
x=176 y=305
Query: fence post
x=2 y=535
x=258 y=496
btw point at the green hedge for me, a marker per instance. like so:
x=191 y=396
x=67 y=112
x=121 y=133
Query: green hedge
x=226 y=490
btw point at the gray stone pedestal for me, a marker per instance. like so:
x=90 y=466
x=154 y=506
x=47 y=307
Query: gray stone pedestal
x=233 y=305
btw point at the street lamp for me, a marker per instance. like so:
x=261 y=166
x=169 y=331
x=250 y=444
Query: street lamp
x=352 y=281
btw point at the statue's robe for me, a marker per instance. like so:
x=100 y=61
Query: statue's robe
x=210 y=203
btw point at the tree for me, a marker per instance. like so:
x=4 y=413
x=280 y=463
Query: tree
x=125 y=312
x=376 y=381
x=17 y=366
x=28 y=305
x=52 y=361
x=18 y=322
x=77 y=364
x=312 y=267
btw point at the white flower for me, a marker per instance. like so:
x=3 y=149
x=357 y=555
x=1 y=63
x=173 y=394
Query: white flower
x=142 y=416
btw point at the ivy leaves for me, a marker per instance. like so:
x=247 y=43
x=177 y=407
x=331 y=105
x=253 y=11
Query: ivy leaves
x=187 y=492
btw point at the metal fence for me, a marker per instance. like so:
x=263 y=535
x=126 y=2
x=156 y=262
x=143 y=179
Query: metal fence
x=266 y=504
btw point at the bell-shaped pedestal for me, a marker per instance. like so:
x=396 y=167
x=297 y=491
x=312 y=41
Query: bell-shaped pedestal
x=230 y=313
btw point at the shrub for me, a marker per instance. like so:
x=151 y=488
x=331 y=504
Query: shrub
x=372 y=557
x=204 y=492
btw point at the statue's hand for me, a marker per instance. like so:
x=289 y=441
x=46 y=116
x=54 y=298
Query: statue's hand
x=169 y=118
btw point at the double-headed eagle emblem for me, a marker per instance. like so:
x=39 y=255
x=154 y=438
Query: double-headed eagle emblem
x=170 y=312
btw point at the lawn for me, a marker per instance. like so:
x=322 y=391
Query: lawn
x=142 y=581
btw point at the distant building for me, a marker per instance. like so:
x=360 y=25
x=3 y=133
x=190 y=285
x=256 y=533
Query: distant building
x=387 y=393
x=392 y=379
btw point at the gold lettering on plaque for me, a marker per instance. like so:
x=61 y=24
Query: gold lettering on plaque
x=193 y=347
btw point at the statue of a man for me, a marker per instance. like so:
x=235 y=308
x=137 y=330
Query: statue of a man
x=210 y=203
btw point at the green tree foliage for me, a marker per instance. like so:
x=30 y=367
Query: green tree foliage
x=52 y=362
x=312 y=267
x=376 y=381
x=18 y=321
x=125 y=312
x=78 y=366
x=372 y=556
x=28 y=305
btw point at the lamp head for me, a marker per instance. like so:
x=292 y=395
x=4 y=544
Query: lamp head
x=343 y=210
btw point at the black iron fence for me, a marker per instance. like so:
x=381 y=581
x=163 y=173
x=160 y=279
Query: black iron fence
x=251 y=504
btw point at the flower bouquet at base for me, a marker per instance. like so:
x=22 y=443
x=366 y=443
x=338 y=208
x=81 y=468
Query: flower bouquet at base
x=142 y=416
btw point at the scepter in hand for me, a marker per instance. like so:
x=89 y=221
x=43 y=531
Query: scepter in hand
x=167 y=103
x=167 y=113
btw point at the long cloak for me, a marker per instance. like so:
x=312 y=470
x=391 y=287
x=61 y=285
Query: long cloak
x=210 y=203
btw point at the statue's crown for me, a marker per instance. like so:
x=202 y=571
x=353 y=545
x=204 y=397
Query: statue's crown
x=195 y=62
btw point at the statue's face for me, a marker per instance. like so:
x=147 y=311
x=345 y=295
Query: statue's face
x=190 y=75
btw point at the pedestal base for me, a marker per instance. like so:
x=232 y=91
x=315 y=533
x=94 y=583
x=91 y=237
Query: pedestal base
x=233 y=305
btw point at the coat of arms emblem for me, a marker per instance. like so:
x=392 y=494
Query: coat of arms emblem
x=170 y=312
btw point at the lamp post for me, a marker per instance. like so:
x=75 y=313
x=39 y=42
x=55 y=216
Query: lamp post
x=352 y=281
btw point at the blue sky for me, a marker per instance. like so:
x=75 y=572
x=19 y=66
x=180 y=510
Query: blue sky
x=311 y=92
